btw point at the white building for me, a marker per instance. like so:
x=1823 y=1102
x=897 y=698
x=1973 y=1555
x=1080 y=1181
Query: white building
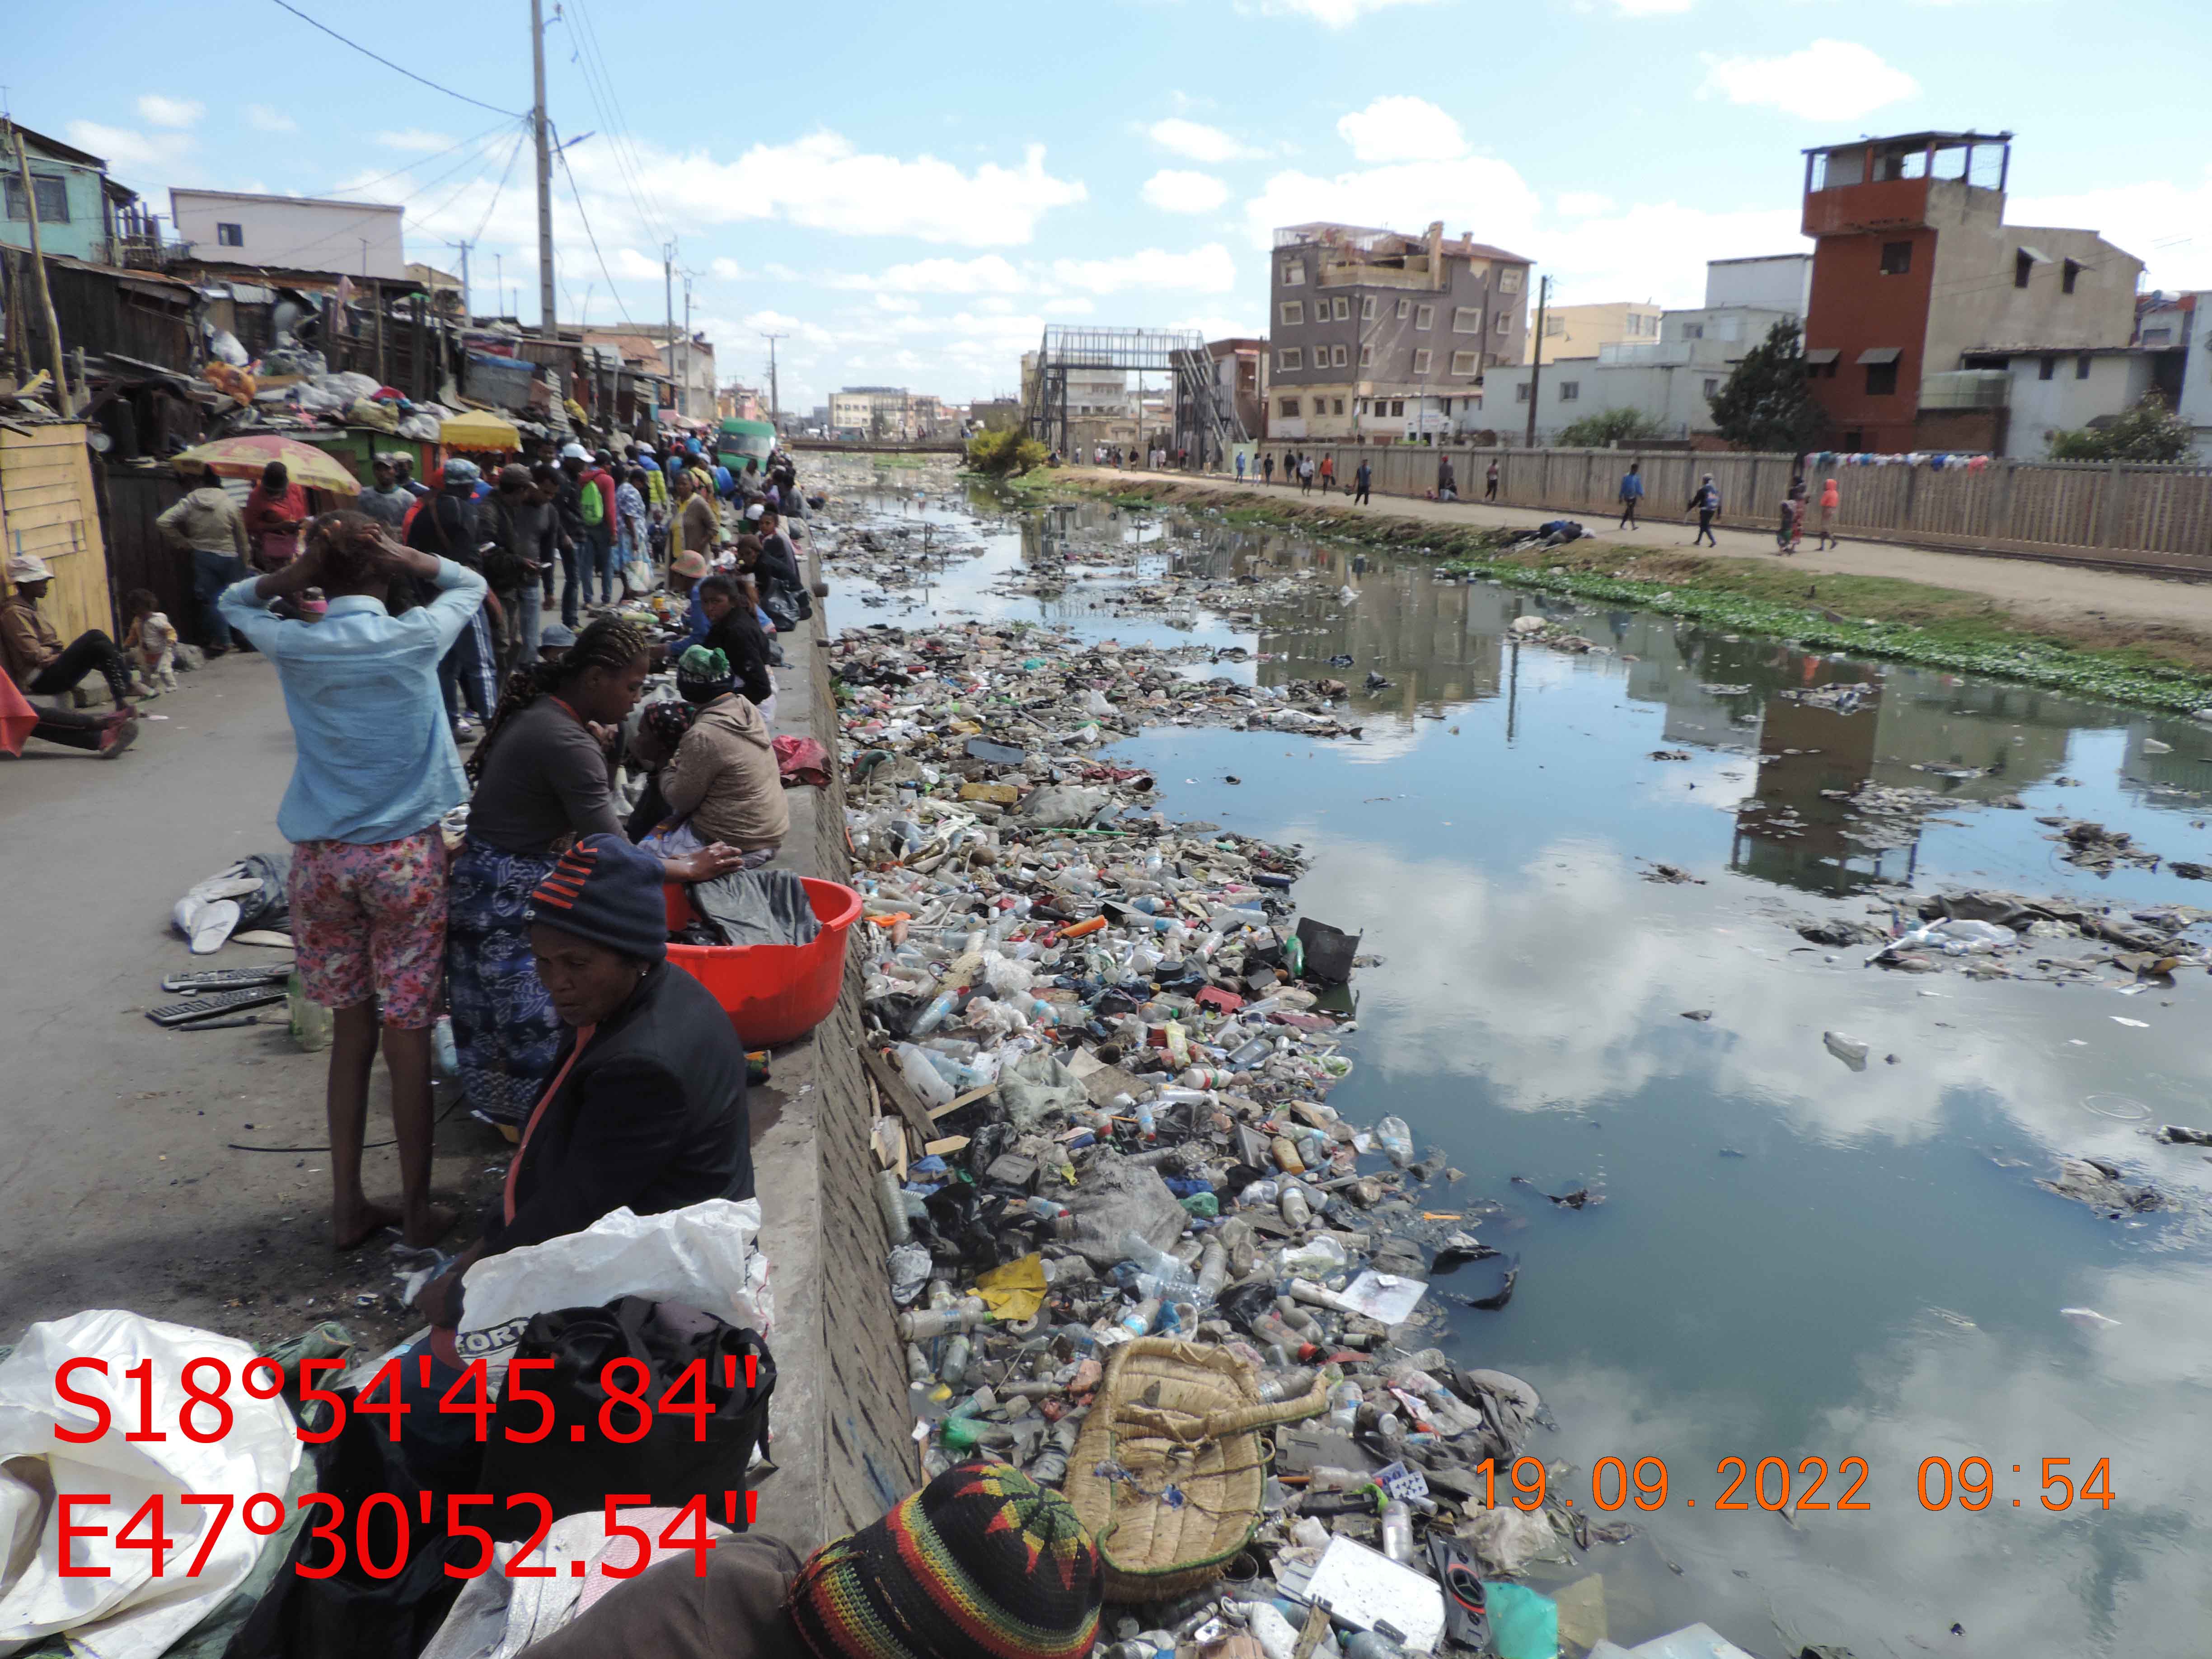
x=2195 y=403
x=1776 y=282
x=290 y=233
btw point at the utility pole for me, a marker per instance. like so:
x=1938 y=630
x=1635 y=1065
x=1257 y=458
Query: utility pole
x=466 y=315
x=1536 y=363
x=687 y=343
x=775 y=397
x=39 y=275
x=547 y=326
x=668 y=285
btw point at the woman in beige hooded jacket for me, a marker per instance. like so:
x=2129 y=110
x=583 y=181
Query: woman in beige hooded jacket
x=724 y=776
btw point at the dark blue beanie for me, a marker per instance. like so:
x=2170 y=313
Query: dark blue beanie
x=606 y=891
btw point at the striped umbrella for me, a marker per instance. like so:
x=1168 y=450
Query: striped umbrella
x=244 y=456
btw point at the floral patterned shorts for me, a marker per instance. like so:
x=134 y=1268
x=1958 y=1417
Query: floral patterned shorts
x=369 y=920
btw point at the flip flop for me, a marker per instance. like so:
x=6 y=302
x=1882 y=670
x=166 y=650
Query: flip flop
x=1467 y=1621
x=206 y=924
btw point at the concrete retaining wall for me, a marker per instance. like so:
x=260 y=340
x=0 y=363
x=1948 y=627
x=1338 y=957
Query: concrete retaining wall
x=842 y=1446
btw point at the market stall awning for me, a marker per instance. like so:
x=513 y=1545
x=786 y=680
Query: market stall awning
x=479 y=429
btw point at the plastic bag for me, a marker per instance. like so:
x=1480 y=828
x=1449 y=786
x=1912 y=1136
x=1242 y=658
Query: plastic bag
x=702 y=1256
x=130 y=1614
x=1525 y=1623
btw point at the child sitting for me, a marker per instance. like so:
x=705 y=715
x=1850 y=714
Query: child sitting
x=150 y=645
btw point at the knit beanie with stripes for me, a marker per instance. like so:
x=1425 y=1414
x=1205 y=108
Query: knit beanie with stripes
x=605 y=890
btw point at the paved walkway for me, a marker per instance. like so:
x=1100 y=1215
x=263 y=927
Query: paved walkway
x=2034 y=590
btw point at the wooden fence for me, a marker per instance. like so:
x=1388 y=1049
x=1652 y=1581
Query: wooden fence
x=2151 y=517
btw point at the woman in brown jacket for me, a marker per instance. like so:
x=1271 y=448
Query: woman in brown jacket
x=724 y=777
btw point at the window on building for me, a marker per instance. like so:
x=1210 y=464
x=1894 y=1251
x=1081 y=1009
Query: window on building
x=1337 y=356
x=1521 y=392
x=1421 y=360
x=1289 y=407
x=1896 y=258
x=2047 y=369
x=1882 y=380
x=2082 y=367
x=1405 y=309
x=1693 y=330
x=1290 y=359
x=1467 y=319
x=1366 y=356
x=2073 y=269
x=1504 y=322
x=1467 y=362
x=1424 y=317
x=1570 y=391
x=1339 y=402
x=1343 y=308
x=1367 y=308
x=1293 y=313
x=230 y=235
x=1397 y=405
x=49 y=191
x=2157 y=336
x=1294 y=275
x=1509 y=280
x=1712 y=386
x=1554 y=325
x=2023 y=266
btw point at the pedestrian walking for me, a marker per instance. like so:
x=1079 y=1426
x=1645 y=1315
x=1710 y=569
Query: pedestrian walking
x=1705 y=503
x=1363 y=478
x=1267 y=468
x=1632 y=494
x=1305 y=474
x=1794 y=507
x=206 y=524
x=374 y=771
x=1328 y=472
x=1240 y=466
x=1489 y=482
x=1830 y=501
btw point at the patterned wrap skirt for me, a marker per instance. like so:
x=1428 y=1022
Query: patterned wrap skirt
x=504 y=1025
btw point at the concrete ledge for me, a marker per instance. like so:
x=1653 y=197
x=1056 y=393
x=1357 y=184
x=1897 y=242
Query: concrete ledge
x=842 y=1443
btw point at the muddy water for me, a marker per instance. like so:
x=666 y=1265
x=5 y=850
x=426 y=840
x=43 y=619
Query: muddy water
x=1793 y=1260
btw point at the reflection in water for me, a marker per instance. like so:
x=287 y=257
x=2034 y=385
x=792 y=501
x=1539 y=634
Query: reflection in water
x=1877 y=1275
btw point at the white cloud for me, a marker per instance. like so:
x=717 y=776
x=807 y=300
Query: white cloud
x=1070 y=305
x=1656 y=251
x=823 y=182
x=897 y=302
x=1208 y=269
x=1172 y=190
x=1651 y=7
x=262 y=118
x=987 y=273
x=731 y=271
x=1827 y=80
x=2139 y=217
x=418 y=139
x=1402 y=128
x=1583 y=203
x=157 y=111
x=1198 y=141
x=1474 y=192
x=1332 y=14
x=124 y=149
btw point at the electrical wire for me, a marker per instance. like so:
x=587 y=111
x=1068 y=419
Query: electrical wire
x=420 y=161
x=389 y=65
x=506 y=173
x=591 y=61
x=480 y=158
x=585 y=220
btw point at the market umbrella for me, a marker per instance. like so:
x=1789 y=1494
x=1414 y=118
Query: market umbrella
x=244 y=456
x=478 y=429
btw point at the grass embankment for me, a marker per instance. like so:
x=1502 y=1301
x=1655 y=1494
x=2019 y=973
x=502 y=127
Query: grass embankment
x=1869 y=616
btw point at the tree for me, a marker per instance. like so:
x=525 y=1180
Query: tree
x=1609 y=426
x=1765 y=403
x=997 y=453
x=2148 y=432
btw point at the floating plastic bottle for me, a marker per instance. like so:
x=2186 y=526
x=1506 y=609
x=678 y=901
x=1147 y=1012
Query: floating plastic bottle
x=1398 y=1530
x=922 y=1076
x=1396 y=1139
x=891 y=1200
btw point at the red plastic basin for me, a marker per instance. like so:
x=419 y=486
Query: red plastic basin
x=773 y=993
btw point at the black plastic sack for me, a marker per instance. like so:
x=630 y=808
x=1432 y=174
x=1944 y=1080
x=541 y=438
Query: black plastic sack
x=350 y=1615
x=1328 y=951
x=272 y=906
x=586 y=1452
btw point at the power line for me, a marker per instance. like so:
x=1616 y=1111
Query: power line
x=505 y=173
x=418 y=190
x=591 y=61
x=389 y=65
x=585 y=220
x=420 y=161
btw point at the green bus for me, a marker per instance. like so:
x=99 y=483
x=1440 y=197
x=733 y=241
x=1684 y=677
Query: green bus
x=736 y=442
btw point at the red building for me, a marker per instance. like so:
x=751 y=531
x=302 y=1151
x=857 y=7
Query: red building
x=1915 y=271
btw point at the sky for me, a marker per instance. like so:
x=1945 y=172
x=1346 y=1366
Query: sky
x=911 y=194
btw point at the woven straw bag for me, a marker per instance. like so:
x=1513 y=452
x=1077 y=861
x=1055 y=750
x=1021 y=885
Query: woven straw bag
x=1176 y=1429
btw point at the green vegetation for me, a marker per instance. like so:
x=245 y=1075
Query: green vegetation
x=1609 y=426
x=2148 y=432
x=996 y=455
x=1867 y=615
x=1765 y=403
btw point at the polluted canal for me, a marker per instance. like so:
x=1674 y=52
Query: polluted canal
x=1795 y=1033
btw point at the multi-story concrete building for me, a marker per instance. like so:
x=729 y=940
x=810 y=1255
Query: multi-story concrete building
x=290 y=233
x=1579 y=331
x=1775 y=281
x=1916 y=275
x=1375 y=334
x=77 y=201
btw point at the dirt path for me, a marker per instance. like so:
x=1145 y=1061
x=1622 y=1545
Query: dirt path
x=2035 y=591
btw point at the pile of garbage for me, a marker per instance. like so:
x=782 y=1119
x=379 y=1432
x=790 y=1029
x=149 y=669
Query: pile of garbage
x=1998 y=935
x=1103 y=1044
